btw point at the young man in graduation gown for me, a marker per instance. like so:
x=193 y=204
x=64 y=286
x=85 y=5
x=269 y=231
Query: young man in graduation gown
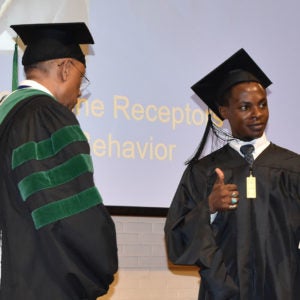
x=58 y=240
x=236 y=212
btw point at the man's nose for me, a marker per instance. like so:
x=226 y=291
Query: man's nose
x=256 y=112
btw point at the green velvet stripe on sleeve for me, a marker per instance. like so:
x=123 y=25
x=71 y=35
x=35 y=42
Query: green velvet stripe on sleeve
x=67 y=207
x=56 y=176
x=47 y=148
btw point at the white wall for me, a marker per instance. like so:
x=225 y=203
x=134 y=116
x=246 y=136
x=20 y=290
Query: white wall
x=144 y=272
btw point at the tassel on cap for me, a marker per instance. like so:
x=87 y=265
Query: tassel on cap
x=198 y=153
x=15 y=73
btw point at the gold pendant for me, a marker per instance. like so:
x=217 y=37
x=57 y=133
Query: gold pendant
x=251 y=187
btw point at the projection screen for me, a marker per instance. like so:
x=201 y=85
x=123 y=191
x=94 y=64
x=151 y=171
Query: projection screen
x=140 y=116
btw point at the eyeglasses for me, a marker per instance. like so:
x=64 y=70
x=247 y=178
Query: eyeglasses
x=84 y=81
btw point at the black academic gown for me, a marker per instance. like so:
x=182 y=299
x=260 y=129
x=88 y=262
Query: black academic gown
x=250 y=253
x=58 y=240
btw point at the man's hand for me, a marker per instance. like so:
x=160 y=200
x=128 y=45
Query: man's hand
x=223 y=196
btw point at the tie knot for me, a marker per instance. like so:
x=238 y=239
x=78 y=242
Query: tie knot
x=247 y=151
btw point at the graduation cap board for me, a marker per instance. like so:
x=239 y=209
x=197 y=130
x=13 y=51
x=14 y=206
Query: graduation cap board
x=238 y=68
x=53 y=40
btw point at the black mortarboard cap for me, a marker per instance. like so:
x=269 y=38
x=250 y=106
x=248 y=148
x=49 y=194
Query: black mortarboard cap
x=239 y=68
x=53 y=40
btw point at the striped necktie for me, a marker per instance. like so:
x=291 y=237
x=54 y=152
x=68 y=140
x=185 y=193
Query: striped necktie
x=247 y=151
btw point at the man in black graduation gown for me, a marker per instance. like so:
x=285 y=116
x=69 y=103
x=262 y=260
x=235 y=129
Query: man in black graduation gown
x=58 y=240
x=235 y=214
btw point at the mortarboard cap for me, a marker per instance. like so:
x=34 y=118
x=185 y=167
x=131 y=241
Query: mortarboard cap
x=239 y=68
x=53 y=40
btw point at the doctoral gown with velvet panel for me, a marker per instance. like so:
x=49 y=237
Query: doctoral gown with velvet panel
x=251 y=253
x=58 y=240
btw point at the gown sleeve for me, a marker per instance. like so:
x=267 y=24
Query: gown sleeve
x=189 y=236
x=53 y=172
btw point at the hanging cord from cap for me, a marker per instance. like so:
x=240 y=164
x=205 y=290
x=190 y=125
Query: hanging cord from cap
x=15 y=73
x=198 y=152
x=222 y=138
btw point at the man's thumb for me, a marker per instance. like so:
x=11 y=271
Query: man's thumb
x=220 y=174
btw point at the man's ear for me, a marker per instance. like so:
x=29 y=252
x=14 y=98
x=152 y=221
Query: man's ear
x=223 y=110
x=65 y=69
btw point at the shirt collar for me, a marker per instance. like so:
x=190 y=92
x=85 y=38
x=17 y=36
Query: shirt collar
x=259 y=144
x=35 y=85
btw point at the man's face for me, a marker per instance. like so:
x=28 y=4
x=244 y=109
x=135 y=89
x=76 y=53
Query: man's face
x=77 y=73
x=70 y=74
x=247 y=111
